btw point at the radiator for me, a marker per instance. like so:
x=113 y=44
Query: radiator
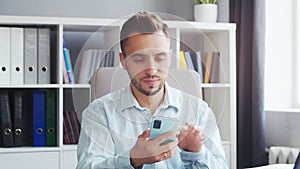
x=286 y=155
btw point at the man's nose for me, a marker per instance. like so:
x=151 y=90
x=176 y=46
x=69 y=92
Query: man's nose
x=151 y=67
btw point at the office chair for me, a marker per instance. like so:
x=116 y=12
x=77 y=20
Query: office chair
x=109 y=79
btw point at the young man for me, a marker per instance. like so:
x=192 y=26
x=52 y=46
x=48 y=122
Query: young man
x=115 y=130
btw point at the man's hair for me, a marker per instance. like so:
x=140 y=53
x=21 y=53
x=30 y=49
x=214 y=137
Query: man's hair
x=142 y=23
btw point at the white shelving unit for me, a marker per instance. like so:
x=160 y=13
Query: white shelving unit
x=85 y=33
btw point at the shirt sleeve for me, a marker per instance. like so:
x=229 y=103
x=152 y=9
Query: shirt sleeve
x=212 y=153
x=96 y=149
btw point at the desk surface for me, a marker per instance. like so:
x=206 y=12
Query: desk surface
x=275 y=166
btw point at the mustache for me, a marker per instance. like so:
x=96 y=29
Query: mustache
x=150 y=77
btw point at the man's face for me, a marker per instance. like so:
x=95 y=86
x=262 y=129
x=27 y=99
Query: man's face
x=147 y=61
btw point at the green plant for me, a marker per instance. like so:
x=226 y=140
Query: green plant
x=205 y=1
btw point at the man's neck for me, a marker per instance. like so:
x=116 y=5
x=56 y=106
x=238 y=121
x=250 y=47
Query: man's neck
x=150 y=102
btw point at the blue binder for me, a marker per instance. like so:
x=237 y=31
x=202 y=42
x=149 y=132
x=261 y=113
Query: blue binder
x=39 y=121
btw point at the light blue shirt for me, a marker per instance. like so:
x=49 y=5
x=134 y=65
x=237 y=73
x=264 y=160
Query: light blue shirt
x=112 y=123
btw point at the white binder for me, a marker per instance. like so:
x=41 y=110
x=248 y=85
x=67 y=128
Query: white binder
x=30 y=55
x=4 y=55
x=43 y=55
x=17 y=55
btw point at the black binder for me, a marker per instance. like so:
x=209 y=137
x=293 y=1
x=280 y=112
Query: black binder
x=6 y=123
x=17 y=118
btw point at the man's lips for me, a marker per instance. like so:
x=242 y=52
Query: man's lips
x=150 y=82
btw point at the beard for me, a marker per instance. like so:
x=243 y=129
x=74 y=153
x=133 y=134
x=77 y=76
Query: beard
x=140 y=88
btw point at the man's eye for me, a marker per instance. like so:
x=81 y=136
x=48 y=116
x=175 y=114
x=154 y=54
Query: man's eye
x=161 y=57
x=138 y=60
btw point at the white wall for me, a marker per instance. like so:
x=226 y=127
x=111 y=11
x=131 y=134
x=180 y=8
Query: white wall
x=104 y=8
x=282 y=128
x=279 y=54
x=282 y=124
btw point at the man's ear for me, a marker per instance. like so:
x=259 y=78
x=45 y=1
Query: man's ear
x=122 y=60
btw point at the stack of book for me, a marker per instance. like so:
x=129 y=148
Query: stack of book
x=71 y=127
x=28 y=118
x=92 y=60
x=25 y=55
x=206 y=64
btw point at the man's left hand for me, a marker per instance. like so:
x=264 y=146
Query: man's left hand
x=190 y=138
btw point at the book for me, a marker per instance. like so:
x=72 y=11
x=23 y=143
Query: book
x=215 y=68
x=92 y=60
x=86 y=65
x=199 y=64
x=68 y=63
x=66 y=138
x=69 y=128
x=182 y=61
x=75 y=125
x=207 y=58
x=189 y=60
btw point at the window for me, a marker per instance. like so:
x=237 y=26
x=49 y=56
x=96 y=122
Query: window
x=297 y=55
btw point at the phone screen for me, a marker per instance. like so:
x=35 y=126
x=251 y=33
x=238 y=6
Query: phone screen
x=160 y=125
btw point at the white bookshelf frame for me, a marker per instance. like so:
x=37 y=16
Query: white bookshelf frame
x=177 y=27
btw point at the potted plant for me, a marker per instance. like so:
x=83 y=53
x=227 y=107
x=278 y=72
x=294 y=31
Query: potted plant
x=205 y=10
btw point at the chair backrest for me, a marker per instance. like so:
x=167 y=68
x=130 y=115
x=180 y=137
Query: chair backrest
x=109 y=79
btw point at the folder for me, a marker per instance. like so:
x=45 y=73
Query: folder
x=4 y=55
x=50 y=118
x=43 y=56
x=17 y=55
x=27 y=118
x=30 y=55
x=17 y=118
x=6 y=123
x=39 y=136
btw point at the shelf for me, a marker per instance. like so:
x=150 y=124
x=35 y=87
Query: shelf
x=226 y=143
x=11 y=86
x=213 y=85
x=204 y=27
x=71 y=147
x=76 y=85
x=28 y=149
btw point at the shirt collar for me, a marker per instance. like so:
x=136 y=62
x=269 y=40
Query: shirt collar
x=172 y=98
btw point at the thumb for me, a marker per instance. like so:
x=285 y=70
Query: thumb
x=145 y=134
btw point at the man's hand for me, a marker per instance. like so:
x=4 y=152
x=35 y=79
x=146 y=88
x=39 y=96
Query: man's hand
x=148 y=151
x=190 y=139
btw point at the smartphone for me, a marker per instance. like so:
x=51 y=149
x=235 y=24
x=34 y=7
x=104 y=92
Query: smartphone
x=161 y=125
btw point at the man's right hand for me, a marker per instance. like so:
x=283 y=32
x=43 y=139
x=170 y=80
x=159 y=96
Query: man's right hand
x=147 y=151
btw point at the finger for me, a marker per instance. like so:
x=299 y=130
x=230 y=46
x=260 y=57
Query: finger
x=190 y=124
x=196 y=131
x=145 y=134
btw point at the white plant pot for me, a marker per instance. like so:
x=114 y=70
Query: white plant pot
x=206 y=12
